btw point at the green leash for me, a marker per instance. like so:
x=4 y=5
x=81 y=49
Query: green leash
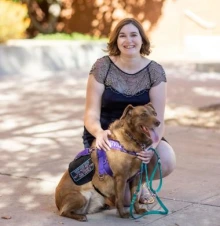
x=150 y=186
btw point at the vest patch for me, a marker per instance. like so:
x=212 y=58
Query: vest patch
x=81 y=170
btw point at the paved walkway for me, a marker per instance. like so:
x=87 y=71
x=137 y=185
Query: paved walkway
x=41 y=125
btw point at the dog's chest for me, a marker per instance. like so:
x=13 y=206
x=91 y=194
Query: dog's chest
x=123 y=163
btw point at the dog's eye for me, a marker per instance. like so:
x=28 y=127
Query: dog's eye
x=143 y=114
x=154 y=113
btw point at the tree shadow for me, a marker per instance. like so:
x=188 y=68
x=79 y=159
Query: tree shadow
x=41 y=120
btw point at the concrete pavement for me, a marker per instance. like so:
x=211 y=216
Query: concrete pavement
x=41 y=126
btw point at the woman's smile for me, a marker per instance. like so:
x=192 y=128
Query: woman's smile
x=129 y=46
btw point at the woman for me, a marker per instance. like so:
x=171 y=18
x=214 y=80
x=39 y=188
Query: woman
x=125 y=77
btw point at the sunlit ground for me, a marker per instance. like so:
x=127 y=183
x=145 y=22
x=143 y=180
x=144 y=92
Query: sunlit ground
x=193 y=97
x=41 y=121
x=41 y=117
x=47 y=110
x=205 y=117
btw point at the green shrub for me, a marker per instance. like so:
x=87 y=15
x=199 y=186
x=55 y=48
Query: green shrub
x=13 y=20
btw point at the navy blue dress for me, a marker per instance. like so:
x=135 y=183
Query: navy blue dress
x=115 y=99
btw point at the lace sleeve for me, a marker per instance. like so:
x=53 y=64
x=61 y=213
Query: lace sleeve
x=100 y=69
x=157 y=74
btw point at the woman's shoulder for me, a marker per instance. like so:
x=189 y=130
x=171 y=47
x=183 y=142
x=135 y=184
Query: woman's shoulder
x=103 y=60
x=154 y=64
x=100 y=68
x=156 y=68
x=157 y=73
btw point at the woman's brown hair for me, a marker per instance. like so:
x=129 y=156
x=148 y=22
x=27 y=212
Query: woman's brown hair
x=112 y=47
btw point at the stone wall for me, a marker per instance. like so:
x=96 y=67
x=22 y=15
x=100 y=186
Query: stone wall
x=21 y=57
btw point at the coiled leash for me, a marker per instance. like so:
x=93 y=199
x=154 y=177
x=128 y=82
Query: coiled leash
x=150 y=187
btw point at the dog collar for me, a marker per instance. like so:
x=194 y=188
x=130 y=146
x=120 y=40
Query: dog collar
x=143 y=146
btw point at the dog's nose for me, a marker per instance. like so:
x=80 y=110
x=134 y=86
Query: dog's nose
x=157 y=123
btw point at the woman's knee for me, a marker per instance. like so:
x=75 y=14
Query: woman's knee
x=168 y=167
x=167 y=157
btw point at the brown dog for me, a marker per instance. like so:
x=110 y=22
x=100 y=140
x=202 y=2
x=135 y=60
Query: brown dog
x=134 y=131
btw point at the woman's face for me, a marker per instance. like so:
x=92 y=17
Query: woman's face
x=129 y=40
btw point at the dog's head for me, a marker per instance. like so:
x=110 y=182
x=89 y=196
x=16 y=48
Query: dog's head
x=140 y=122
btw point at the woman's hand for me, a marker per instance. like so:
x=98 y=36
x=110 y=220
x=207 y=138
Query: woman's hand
x=102 y=141
x=145 y=155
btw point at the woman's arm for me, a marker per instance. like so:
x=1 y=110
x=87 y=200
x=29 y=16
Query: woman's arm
x=92 y=113
x=158 y=99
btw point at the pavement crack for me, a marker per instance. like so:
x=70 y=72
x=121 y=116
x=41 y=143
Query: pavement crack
x=210 y=197
x=194 y=202
x=24 y=177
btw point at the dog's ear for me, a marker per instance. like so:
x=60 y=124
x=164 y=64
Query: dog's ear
x=150 y=105
x=127 y=111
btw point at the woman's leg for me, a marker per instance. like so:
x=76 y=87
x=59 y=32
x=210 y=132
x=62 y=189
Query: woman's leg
x=167 y=157
x=127 y=198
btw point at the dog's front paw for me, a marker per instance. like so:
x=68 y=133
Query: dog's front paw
x=125 y=215
x=141 y=211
